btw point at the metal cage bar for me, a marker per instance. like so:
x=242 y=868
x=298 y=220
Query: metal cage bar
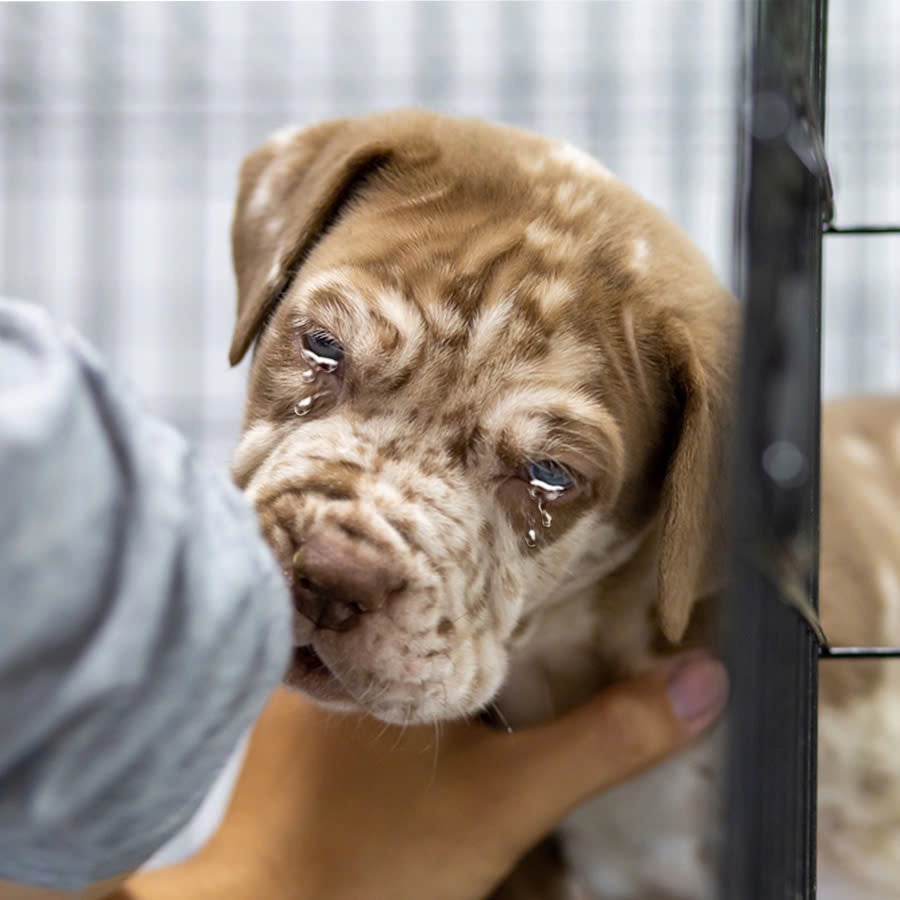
x=784 y=197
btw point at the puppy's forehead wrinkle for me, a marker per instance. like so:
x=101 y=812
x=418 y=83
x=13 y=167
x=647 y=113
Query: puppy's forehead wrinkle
x=527 y=314
x=633 y=351
x=377 y=324
x=445 y=323
x=492 y=321
x=538 y=408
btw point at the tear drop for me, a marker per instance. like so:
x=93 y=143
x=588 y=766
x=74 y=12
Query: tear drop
x=546 y=518
x=308 y=376
x=302 y=407
x=531 y=537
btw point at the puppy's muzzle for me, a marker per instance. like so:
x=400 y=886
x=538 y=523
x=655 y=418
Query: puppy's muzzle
x=339 y=576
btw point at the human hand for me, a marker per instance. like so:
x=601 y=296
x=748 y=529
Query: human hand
x=346 y=808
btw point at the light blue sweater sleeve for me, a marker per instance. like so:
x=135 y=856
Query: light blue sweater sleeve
x=143 y=622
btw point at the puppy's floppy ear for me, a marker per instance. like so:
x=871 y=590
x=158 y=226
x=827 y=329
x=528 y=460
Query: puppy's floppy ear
x=693 y=496
x=291 y=190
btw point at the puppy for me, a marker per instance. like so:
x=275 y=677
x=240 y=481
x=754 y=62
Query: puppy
x=487 y=417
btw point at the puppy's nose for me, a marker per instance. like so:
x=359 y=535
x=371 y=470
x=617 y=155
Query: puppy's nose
x=339 y=575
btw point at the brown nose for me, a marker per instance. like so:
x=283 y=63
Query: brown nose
x=338 y=576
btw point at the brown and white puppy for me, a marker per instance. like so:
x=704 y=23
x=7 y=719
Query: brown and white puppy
x=486 y=418
x=859 y=712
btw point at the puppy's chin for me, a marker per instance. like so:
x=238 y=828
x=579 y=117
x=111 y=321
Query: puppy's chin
x=398 y=703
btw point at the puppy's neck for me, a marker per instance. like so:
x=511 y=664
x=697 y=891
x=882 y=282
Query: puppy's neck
x=592 y=633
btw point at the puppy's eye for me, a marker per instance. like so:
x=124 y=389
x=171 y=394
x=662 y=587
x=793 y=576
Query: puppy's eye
x=324 y=346
x=549 y=474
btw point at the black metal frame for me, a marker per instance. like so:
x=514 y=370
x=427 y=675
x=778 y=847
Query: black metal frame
x=770 y=786
x=784 y=207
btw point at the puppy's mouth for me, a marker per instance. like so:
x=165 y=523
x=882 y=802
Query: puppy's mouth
x=311 y=675
x=307 y=662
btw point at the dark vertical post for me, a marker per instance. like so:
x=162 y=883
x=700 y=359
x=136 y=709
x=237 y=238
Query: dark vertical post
x=770 y=792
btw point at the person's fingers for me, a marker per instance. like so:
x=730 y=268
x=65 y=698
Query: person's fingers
x=551 y=768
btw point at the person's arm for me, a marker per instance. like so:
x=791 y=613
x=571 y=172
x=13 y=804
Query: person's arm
x=143 y=621
x=97 y=891
x=344 y=807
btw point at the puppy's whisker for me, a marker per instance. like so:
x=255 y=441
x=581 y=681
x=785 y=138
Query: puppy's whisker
x=407 y=717
x=462 y=615
x=385 y=727
x=367 y=691
x=495 y=709
x=436 y=723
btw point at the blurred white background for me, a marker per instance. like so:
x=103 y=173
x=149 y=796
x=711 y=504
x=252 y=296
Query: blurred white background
x=122 y=127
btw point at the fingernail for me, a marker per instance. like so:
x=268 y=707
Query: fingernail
x=698 y=689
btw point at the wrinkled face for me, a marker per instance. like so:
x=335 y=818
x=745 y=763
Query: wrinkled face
x=450 y=424
x=425 y=482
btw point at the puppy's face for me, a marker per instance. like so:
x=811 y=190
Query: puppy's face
x=468 y=398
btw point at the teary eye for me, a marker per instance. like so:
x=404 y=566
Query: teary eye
x=549 y=474
x=322 y=345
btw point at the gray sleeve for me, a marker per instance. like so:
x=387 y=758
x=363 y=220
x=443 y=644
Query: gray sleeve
x=143 y=622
